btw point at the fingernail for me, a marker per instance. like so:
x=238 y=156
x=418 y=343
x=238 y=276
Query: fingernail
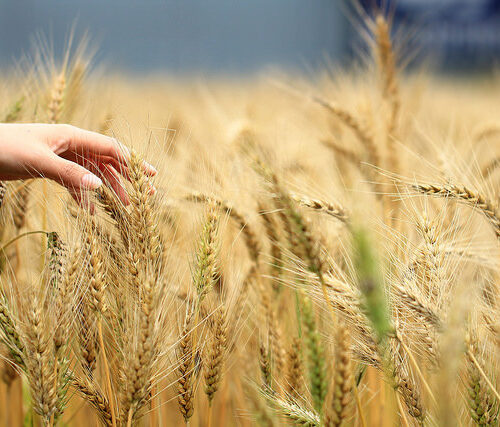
x=91 y=182
x=150 y=167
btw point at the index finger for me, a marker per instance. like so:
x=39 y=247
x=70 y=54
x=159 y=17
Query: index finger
x=86 y=142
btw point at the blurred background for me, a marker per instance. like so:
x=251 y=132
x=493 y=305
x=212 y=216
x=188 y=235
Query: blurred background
x=230 y=36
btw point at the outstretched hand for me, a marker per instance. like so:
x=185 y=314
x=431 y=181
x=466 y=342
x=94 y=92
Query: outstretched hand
x=77 y=159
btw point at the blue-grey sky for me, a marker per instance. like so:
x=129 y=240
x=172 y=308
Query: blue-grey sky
x=242 y=36
x=183 y=35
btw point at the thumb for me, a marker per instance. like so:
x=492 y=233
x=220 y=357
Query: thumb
x=69 y=174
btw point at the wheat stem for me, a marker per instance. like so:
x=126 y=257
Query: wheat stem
x=358 y=405
x=129 y=417
x=209 y=415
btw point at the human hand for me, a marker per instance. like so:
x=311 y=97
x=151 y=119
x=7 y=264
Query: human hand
x=73 y=157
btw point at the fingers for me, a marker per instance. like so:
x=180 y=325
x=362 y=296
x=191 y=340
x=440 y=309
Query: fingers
x=119 y=168
x=112 y=178
x=83 y=200
x=81 y=158
x=77 y=179
x=85 y=143
x=72 y=175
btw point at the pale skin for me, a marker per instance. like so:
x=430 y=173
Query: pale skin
x=78 y=159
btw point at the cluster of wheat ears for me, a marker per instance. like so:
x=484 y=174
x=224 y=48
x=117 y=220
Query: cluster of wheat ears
x=317 y=252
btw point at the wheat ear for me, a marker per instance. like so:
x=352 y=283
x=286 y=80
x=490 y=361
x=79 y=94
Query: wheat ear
x=291 y=410
x=205 y=272
x=215 y=359
x=148 y=245
x=97 y=286
x=343 y=152
x=14 y=111
x=62 y=280
x=358 y=129
x=466 y=196
x=60 y=289
x=417 y=305
x=315 y=355
x=386 y=64
x=10 y=333
x=56 y=101
x=265 y=367
x=93 y=396
x=298 y=228
x=274 y=241
x=250 y=236
x=273 y=330
x=20 y=205
x=335 y=211
x=294 y=370
x=74 y=87
x=118 y=214
x=185 y=371
x=3 y=191
x=483 y=407
x=38 y=359
x=407 y=387
x=139 y=370
x=340 y=394
x=87 y=338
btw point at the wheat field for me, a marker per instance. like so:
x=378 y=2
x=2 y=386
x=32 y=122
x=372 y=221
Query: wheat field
x=319 y=251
